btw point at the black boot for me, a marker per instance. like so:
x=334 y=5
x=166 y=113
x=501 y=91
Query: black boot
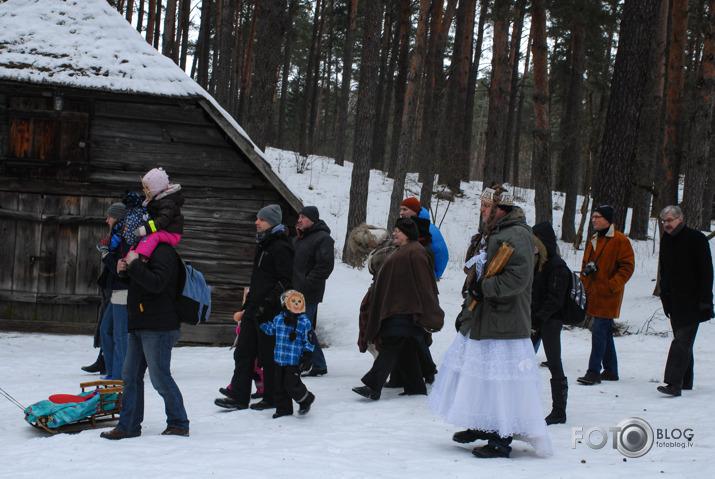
x=559 y=394
x=97 y=367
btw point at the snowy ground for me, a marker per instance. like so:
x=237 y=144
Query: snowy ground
x=345 y=435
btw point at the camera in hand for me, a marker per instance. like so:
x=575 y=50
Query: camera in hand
x=589 y=269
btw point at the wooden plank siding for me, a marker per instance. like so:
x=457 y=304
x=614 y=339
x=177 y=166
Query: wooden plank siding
x=51 y=221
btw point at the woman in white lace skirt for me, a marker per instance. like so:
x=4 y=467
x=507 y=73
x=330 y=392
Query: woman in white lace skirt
x=489 y=381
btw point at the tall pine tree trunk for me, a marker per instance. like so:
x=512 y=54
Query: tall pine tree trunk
x=223 y=67
x=650 y=135
x=514 y=57
x=516 y=149
x=542 y=133
x=403 y=64
x=287 y=51
x=499 y=94
x=203 y=48
x=364 y=121
x=342 y=119
x=572 y=153
x=630 y=75
x=410 y=113
x=269 y=32
x=701 y=129
x=130 y=10
x=140 y=16
x=672 y=148
x=304 y=130
x=471 y=91
x=315 y=87
x=157 y=27
x=184 y=40
x=382 y=93
x=243 y=64
x=432 y=114
x=455 y=160
x=168 y=45
x=151 y=21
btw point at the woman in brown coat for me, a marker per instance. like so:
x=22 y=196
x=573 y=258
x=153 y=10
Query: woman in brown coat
x=403 y=304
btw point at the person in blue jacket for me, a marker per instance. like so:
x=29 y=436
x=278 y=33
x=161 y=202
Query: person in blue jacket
x=292 y=354
x=411 y=208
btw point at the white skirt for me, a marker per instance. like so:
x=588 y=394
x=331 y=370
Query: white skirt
x=492 y=385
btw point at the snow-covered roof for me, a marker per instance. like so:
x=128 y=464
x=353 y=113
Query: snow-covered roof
x=88 y=44
x=85 y=44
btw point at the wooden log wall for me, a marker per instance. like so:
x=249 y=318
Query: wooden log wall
x=58 y=222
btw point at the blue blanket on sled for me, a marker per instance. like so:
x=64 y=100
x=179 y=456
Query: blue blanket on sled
x=59 y=412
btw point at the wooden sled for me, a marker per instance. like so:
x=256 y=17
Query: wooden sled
x=105 y=408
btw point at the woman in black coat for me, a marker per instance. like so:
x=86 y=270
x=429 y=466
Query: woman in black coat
x=548 y=293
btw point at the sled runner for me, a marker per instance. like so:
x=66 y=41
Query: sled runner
x=89 y=409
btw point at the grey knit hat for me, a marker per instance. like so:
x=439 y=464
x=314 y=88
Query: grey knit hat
x=271 y=214
x=117 y=210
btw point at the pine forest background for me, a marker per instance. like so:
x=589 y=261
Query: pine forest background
x=608 y=99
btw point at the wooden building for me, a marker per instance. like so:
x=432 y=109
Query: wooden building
x=86 y=108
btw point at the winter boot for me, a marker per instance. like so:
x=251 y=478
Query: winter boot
x=559 y=394
x=97 y=367
x=305 y=403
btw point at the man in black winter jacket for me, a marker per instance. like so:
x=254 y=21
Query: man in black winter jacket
x=154 y=329
x=686 y=291
x=314 y=261
x=272 y=274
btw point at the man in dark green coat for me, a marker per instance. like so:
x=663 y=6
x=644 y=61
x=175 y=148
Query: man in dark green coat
x=489 y=381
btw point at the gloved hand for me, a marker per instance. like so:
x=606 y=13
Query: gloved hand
x=475 y=289
x=707 y=309
x=261 y=315
x=306 y=361
x=141 y=231
x=115 y=241
x=103 y=244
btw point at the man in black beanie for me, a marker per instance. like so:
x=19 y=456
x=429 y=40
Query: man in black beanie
x=312 y=266
x=608 y=264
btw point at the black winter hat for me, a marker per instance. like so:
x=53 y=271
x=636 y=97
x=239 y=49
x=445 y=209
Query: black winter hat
x=545 y=232
x=606 y=211
x=310 y=212
x=408 y=227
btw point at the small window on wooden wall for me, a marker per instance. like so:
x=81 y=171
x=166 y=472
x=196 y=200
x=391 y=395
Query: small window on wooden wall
x=48 y=136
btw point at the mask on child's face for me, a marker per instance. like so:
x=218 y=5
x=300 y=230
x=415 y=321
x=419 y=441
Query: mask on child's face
x=294 y=302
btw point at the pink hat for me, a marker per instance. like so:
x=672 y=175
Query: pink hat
x=156 y=181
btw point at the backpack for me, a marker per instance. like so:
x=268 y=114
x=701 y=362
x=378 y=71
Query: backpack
x=576 y=304
x=193 y=301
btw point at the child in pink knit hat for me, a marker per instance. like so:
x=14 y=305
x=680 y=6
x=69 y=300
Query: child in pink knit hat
x=163 y=203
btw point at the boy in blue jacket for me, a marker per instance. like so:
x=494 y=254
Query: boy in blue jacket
x=292 y=354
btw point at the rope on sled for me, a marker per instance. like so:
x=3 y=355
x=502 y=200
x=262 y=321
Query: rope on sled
x=12 y=399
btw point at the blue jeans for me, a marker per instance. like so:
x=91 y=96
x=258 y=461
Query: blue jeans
x=150 y=349
x=603 y=350
x=311 y=310
x=113 y=333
